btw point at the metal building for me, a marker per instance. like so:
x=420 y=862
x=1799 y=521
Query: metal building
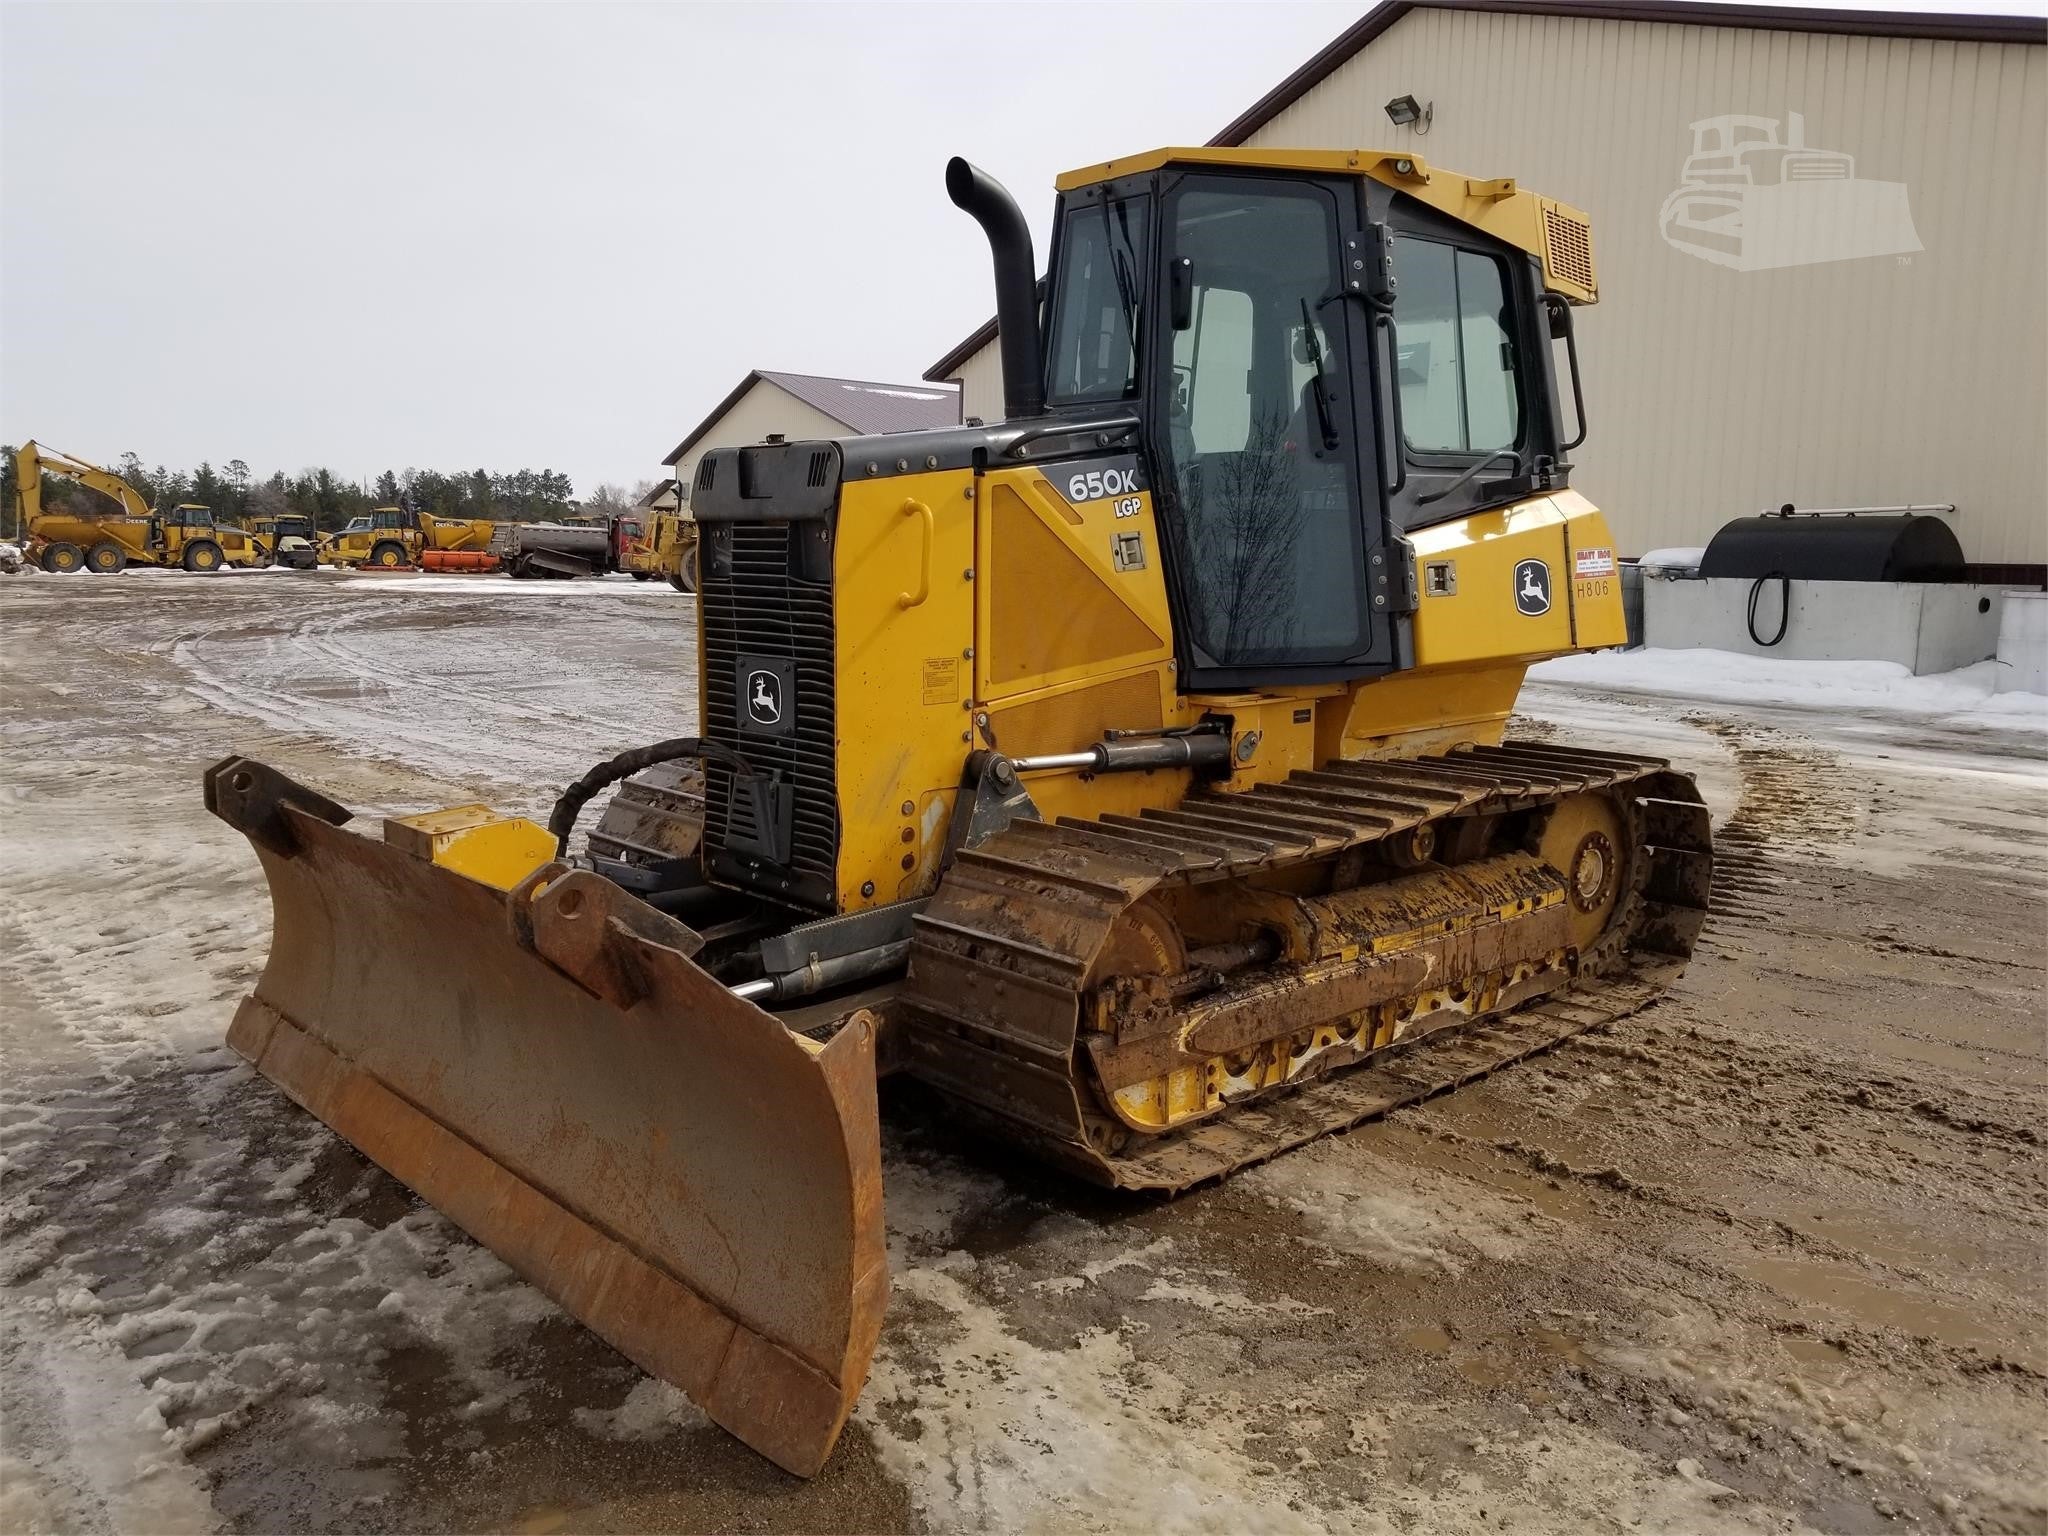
x=811 y=405
x=1821 y=240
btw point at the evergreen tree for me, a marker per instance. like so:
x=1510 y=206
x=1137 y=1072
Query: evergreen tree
x=206 y=486
x=237 y=476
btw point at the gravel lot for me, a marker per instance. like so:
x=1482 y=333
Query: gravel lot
x=1766 y=1258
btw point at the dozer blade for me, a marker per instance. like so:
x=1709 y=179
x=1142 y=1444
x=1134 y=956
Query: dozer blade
x=697 y=1184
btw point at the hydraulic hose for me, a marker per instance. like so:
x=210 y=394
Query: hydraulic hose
x=1784 y=607
x=562 y=820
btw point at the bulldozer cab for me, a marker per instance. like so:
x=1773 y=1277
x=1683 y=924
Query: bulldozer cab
x=1319 y=363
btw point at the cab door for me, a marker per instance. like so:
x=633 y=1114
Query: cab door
x=1259 y=409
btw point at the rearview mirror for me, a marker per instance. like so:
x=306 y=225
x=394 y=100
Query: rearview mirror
x=1180 y=292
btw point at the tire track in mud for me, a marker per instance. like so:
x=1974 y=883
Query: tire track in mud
x=459 y=721
x=185 y=1239
x=1798 y=799
x=232 y=1263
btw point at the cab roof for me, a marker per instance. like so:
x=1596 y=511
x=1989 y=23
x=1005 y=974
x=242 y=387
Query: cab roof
x=1556 y=233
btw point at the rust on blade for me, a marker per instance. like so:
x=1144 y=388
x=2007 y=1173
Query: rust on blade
x=698 y=1185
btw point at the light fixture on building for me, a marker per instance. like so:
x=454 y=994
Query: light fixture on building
x=1406 y=111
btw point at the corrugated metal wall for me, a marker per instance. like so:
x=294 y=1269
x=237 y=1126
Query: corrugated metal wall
x=1714 y=391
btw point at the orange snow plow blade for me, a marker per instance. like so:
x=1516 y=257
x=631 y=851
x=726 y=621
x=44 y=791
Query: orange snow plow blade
x=694 y=1182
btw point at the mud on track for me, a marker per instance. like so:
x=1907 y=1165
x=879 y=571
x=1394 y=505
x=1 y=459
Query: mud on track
x=1766 y=1258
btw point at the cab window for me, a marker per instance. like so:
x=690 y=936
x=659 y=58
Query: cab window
x=1093 y=353
x=1456 y=359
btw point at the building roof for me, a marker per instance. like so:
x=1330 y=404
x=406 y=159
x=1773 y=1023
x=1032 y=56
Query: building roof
x=662 y=496
x=862 y=406
x=1938 y=25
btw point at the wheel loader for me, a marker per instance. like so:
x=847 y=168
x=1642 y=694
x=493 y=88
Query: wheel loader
x=1133 y=772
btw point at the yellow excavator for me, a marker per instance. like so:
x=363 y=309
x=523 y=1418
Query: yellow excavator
x=136 y=534
x=1134 y=771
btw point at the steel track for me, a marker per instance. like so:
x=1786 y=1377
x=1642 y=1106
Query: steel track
x=1014 y=938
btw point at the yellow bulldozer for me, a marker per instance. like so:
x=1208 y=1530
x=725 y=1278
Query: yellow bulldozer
x=132 y=533
x=1134 y=771
x=392 y=538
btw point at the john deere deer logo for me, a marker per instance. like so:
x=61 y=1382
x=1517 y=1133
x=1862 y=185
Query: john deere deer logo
x=1532 y=587
x=1751 y=199
x=764 y=697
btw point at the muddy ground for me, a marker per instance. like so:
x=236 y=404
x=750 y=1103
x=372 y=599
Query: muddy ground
x=1766 y=1258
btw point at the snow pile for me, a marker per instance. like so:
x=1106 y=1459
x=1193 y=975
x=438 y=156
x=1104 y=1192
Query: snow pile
x=1674 y=559
x=1966 y=696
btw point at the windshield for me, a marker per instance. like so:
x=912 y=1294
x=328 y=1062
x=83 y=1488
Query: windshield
x=1093 y=353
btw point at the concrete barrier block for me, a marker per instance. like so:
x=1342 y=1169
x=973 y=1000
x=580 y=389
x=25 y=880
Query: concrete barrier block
x=1925 y=627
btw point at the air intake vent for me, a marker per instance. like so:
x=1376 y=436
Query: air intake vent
x=756 y=606
x=706 y=473
x=1568 y=249
x=821 y=469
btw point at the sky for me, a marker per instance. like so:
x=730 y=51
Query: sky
x=491 y=235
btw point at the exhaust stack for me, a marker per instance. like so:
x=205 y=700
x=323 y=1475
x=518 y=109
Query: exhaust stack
x=1009 y=238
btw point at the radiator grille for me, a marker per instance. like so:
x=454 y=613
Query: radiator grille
x=1568 y=248
x=758 y=608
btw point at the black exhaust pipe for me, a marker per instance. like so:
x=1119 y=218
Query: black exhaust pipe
x=1009 y=239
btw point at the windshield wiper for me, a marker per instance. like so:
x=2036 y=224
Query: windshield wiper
x=1512 y=455
x=1321 y=392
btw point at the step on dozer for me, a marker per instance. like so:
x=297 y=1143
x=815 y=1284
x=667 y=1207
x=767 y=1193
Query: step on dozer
x=1160 y=833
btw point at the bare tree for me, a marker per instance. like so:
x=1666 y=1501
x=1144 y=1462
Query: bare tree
x=1245 y=515
x=607 y=500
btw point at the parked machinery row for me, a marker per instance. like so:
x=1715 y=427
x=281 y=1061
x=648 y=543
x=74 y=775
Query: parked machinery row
x=188 y=536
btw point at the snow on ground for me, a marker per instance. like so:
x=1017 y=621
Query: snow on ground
x=341 y=578
x=1963 y=697
x=1579 y=1297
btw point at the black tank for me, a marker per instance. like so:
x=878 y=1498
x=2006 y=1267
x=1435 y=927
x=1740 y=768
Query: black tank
x=1836 y=548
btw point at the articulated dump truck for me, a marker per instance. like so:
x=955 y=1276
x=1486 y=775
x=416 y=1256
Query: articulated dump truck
x=1133 y=772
